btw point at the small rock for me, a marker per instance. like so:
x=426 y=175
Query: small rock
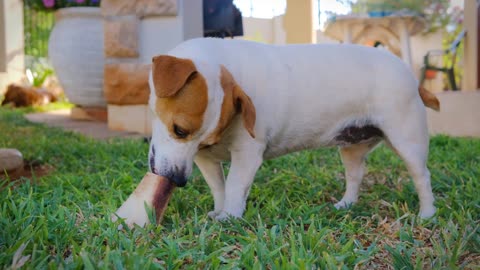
x=10 y=159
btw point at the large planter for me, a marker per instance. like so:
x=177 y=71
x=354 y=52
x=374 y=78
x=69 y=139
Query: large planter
x=75 y=49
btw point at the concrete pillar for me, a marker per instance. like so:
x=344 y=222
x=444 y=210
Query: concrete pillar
x=12 y=64
x=347 y=33
x=405 y=43
x=192 y=13
x=299 y=22
x=470 y=62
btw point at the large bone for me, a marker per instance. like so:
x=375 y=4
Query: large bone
x=154 y=191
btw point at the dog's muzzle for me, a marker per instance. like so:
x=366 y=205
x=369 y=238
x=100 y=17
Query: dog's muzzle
x=175 y=174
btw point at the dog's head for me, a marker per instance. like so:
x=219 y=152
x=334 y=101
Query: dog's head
x=193 y=104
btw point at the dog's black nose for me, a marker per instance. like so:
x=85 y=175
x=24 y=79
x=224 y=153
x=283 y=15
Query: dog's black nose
x=179 y=179
x=176 y=175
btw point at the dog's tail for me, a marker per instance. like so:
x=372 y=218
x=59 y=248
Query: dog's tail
x=429 y=99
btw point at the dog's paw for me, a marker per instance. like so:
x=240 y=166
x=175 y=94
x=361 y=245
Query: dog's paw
x=224 y=216
x=343 y=204
x=214 y=214
x=427 y=212
x=130 y=221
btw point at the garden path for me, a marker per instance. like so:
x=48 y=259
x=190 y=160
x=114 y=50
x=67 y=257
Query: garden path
x=93 y=129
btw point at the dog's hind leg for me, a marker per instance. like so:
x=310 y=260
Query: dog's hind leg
x=410 y=142
x=353 y=158
x=415 y=157
x=212 y=171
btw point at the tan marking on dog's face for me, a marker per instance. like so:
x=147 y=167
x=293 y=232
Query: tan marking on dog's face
x=185 y=109
x=234 y=100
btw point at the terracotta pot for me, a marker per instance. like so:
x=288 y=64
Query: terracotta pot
x=430 y=74
x=75 y=49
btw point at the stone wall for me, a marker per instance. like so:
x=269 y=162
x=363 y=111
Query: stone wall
x=126 y=75
x=134 y=32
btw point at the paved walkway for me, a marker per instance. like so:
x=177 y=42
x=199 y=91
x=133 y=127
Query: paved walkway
x=93 y=129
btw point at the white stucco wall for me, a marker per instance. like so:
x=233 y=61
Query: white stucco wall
x=11 y=37
x=322 y=38
x=280 y=36
x=257 y=29
x=159 y=34
x=264 y=30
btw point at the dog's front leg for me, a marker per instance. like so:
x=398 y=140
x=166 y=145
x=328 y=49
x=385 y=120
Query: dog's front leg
x=213 y=173
x=245 y=163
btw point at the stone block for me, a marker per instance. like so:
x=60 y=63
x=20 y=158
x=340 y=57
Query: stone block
x=121 y=36
x=10 y=159
x=128 y=118
x=140 y=8
x=126 y=83
x=89 y=113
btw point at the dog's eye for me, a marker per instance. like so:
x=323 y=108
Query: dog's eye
x=179 y=132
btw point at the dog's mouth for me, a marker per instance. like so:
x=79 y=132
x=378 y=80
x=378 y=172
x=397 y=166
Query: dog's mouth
x=180 y=179
x=176 y=175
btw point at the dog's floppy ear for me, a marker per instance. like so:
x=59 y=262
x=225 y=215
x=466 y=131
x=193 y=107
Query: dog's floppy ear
x=244 y=104
x=241 y=101
x=170 y=74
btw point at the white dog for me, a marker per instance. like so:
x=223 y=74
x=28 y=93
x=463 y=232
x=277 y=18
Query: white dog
x=229 y=100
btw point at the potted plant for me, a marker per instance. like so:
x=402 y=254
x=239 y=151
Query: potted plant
x=75 y=48
x=52 y=5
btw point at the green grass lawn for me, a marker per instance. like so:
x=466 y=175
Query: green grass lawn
x=62 y=220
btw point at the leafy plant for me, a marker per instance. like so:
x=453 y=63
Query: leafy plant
x=56 y=4
x=38 y=23
x=40 y=75
x=437 y=13
x=38 y=69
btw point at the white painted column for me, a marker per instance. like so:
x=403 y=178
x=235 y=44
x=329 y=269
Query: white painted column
x=298 y=22
x=347 y=33
x=12 y=66
x=470 y=49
